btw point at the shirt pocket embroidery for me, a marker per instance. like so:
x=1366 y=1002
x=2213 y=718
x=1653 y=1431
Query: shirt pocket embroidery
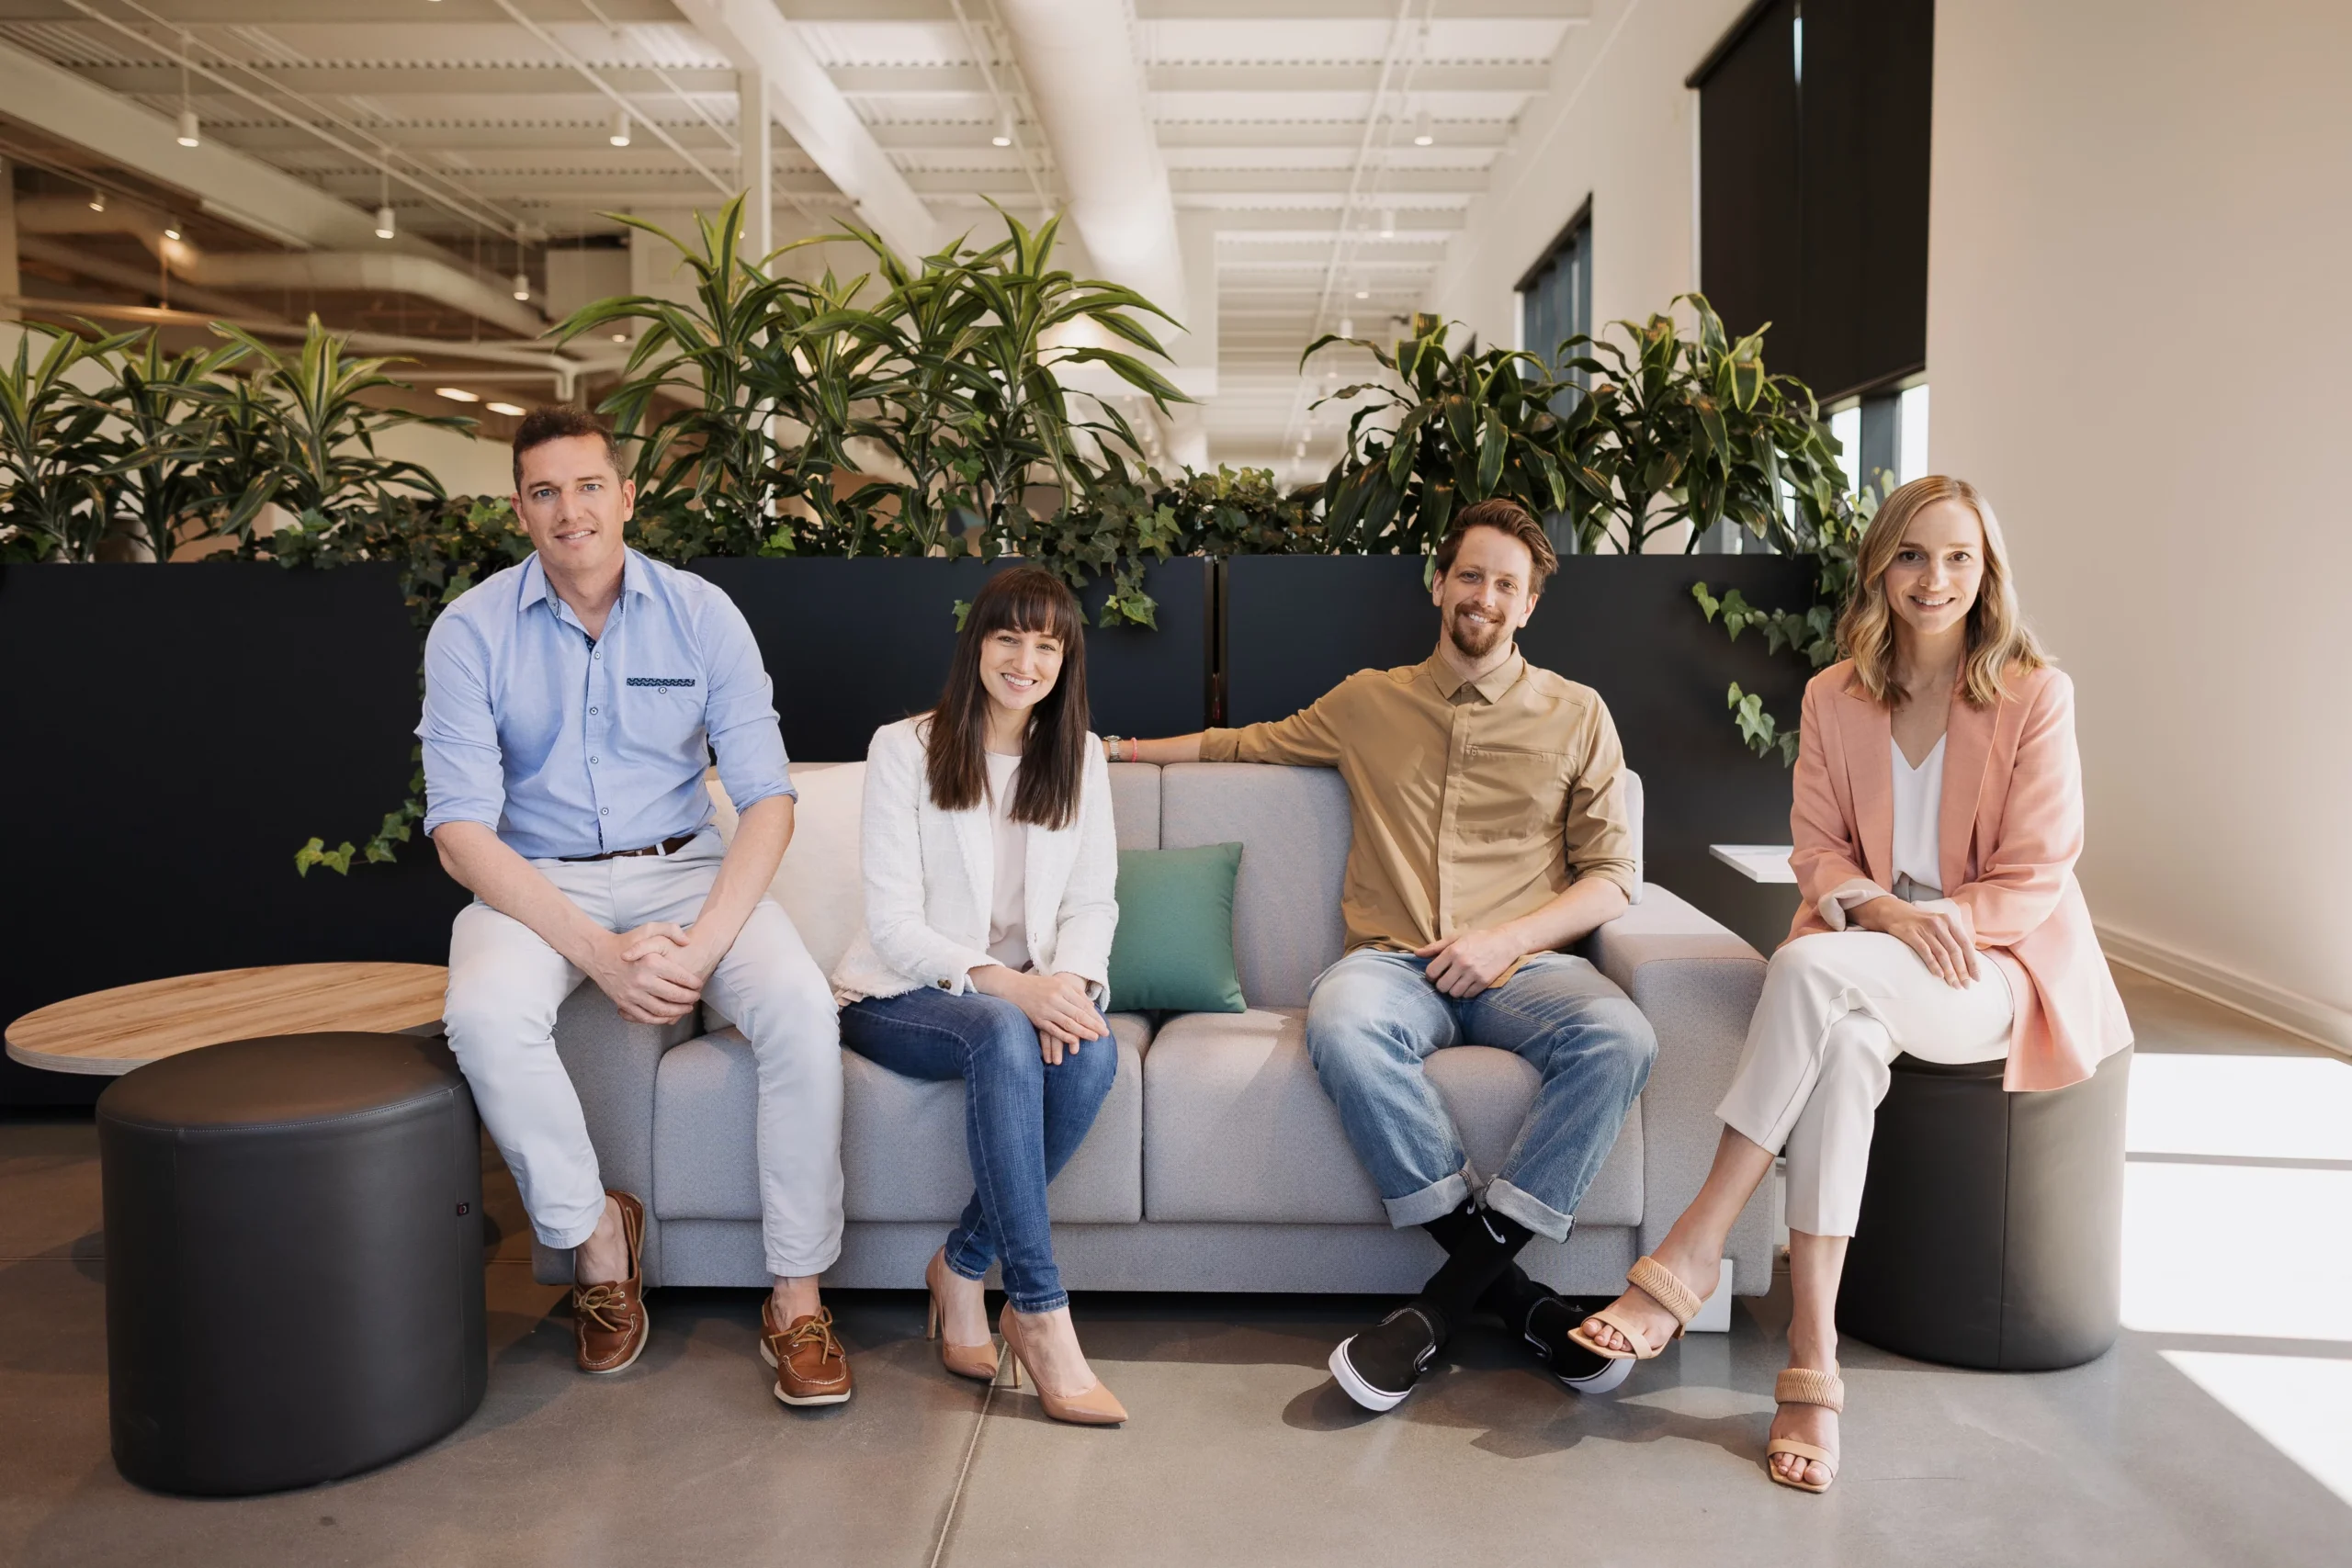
x=662 y=714
x=1511 y=792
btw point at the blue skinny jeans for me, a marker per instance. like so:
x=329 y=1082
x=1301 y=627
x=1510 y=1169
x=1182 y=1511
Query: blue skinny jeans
x=1023 y=1119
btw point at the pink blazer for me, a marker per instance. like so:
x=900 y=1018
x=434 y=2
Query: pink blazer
x=2012 y=828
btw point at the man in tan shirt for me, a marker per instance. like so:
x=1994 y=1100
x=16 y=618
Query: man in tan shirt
x=1490 y=832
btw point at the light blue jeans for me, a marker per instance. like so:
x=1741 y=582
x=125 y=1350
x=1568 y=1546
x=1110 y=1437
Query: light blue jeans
x=1374 y=1018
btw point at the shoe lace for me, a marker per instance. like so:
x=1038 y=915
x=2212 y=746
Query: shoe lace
x=817 y=1331
x=602 y=1304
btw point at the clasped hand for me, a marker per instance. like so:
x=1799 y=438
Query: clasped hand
x=651 y=973
x=1468 y=961
x=1940 y=937
x=1056 y=1004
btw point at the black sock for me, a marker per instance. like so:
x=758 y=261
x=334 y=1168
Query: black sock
x=1448 y=1226
x=1484 y=1248
x=1512 y=1296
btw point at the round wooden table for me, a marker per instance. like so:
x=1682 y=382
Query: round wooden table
x=109 y=1033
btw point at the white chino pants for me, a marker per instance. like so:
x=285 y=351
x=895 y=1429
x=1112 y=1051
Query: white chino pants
x=1837 y=1007
x=505 y=985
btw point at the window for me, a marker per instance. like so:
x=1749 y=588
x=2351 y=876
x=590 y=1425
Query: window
x=1884 y=437
x=1555 y=297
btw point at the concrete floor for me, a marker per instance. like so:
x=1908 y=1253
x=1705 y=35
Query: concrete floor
x=2213 y=1433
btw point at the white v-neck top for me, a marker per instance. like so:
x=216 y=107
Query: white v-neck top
x=1918 y=811
x=1008 y=932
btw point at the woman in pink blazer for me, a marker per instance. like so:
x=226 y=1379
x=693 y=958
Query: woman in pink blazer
x=1937 y=817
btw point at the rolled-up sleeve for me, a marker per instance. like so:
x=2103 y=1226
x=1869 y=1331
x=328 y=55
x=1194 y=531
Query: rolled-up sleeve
x=739 y=711
x=1307 y=738
x=463 y=781
x=1596 y=830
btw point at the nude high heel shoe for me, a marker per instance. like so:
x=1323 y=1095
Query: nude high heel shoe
x=1095 y=1408
x=965 y=1360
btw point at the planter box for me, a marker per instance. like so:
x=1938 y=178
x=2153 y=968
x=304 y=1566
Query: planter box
x=1623 y=625
x=852 y=645
x=174 y=734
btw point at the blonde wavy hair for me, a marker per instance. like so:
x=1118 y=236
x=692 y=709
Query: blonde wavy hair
x=1999 y=643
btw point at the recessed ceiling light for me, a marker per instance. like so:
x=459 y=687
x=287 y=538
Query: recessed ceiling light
x=620 y=337
x=511 y=411
x=456 y=394
x=1364 y=293
x=619 y=137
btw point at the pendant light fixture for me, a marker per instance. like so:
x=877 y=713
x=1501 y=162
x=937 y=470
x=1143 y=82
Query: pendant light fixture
x=190 y=136
x=98 y=201
x=1004 y=137
x=619 y=137
x=385 y=228
x=1424 y=130
x=1388 y=223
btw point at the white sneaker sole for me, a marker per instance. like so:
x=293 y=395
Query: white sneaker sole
x=1362 y=1393
x=1607 y=1379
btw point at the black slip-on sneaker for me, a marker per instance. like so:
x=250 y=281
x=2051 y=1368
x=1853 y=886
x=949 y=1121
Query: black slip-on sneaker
x=1545 y=1326
x=1379 y=1367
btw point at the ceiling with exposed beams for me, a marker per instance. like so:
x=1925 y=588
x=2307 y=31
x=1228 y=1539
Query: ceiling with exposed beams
x=1288 y=127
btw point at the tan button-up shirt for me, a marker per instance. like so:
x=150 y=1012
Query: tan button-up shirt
x=1474 y=802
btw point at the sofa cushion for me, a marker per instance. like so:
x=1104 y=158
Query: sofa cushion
x=1292 y=825
x=902 y=1140
x=1236 y=1128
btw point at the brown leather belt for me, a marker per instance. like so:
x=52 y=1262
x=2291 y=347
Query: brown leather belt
x=666 y=847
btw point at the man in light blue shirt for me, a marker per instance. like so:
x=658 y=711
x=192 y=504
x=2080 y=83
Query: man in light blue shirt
x=572 y=705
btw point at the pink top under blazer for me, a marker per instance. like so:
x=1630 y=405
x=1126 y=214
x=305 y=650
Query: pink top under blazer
x=2011 y=830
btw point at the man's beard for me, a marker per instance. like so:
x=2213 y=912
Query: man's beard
x=1474 y=640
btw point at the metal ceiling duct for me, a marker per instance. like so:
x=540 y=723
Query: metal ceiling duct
x=1079 y=61
x=364 y=272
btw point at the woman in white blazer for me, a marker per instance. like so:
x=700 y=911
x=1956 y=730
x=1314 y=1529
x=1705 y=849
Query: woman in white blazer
x=991 y=868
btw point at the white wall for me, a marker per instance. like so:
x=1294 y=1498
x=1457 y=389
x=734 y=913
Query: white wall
x=1616 y=125
x=2137 y=343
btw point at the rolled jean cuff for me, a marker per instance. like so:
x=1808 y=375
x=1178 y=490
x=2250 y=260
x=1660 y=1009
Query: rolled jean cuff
x=1033 y=1306
x=1513 y=1202
x=1439 y=1197
x=966 y=1259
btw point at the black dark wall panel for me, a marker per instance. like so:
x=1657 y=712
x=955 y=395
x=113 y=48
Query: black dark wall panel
x=173 y=734
x=1623 y=625
x=852 y=645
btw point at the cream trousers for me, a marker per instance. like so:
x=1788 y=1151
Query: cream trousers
x=506 y=984
x=1837 y=1007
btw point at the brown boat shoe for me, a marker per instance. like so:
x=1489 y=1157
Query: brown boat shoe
x=811 y=1366
x=608 y=1318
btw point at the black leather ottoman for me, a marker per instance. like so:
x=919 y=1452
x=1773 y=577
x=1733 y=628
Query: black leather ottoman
x=294 y=1259
x=1992 y=1227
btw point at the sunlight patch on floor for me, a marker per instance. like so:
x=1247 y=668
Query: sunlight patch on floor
x=2260 y=1107
x=2263 y=1253
x=2296 y=1403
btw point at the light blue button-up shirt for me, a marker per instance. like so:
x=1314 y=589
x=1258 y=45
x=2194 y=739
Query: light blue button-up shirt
x=568 y=745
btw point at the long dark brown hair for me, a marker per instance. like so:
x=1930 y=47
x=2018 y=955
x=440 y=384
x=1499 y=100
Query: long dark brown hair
x=1053 y=757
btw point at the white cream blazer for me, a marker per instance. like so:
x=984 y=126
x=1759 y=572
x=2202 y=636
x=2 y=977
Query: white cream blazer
x=930 y=880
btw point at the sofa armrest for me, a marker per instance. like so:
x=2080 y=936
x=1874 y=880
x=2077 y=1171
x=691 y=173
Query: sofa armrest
x=1697 y=983
x=611 y=1062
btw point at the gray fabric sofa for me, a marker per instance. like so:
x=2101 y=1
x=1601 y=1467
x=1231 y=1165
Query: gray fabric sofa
x=1217 y=1163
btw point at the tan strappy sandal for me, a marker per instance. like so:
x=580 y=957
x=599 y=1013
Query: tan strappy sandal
x=1799 y=1385
x=1652 y=1279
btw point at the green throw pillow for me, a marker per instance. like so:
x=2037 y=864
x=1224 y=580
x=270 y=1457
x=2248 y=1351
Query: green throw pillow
x=1174 y=946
